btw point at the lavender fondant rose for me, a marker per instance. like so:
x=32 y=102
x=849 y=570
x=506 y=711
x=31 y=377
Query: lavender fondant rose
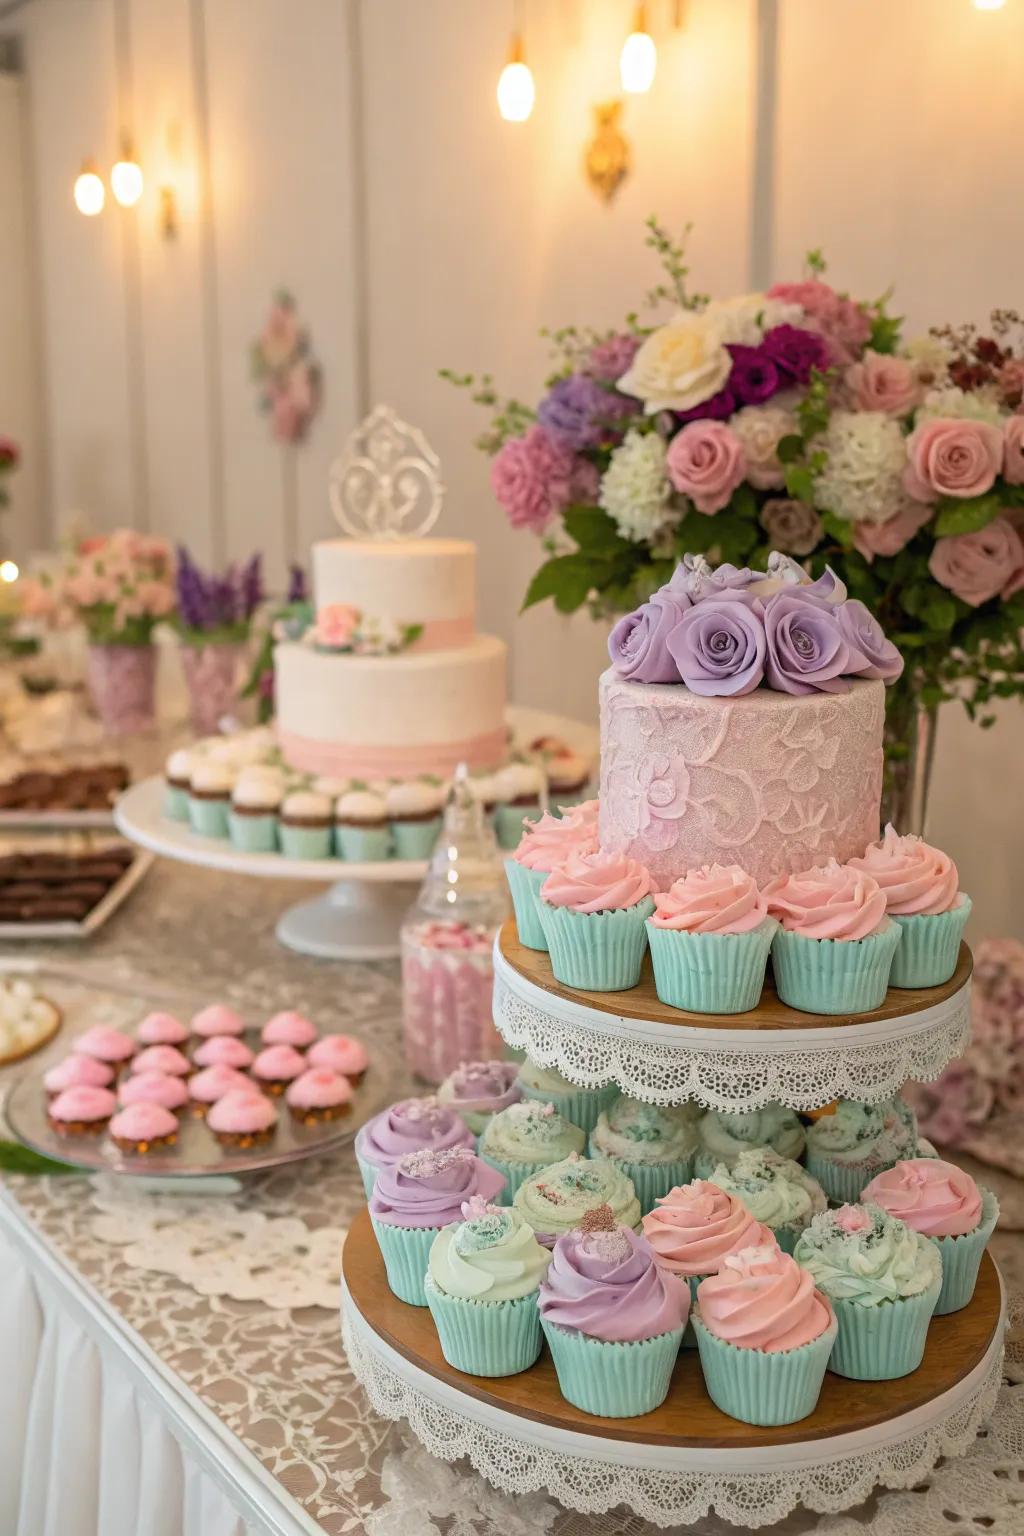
x=719 y=646
x=638 y=645
x=806 y=651
x=695 y=578
x=866 y=639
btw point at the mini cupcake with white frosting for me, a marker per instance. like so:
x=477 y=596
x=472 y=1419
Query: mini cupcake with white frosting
x=593 y=910
x=834 y=949
x=209 y=796
x=923 y=898
x=255 y=802
x=709 y=937
x=306 y=825
x=543 y=845
x=652 y=1144
x=522 y=791
x=414 y=808
x=724 y=1134
x=362 y=832
x=775 y=1190
x=177 y=782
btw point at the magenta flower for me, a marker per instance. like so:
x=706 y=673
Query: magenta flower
x=795 y=352
x=844 y=325
x=754 y=377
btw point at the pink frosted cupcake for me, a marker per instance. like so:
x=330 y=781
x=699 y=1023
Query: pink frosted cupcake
x=142 y=1128
x=162 y=1029
x=78 y=1072
x=217 y=1019
x=835 y=947
x=923 y=898
x=105 y=1044
x=593 y=910
x=242 y=1119
x=162 y=1058
x=212 y=1083
x=709 y=937
x=544 y=845
x=695 y=1227
x=317 y=1095
x=943 y=1203
x=81 y=1111
x=276 y=1066
x=153 y=1088
x=288 y=1028
x=224 y=1051
x=342 y=1054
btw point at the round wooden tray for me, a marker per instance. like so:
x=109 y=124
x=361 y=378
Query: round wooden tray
x=957 y=1345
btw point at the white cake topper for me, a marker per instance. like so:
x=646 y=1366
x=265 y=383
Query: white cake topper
x=387 y=483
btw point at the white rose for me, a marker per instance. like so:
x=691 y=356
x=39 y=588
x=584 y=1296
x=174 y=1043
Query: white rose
x=680 y=365
x=760 y=429
x=743 y=320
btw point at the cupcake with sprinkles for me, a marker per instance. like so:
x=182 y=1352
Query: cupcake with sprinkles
x=557 y=1199
x=143 y=1127
x=318 y=1095
x=945 y=1205
x=527 y=1137
x=479 y=1090
x=546 y=1085
x=412 y=1125
x=775 y=1190
x=650 y=1143
x=724 y=1134
x=852 y=1143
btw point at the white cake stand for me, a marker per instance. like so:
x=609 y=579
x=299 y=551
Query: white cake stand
x=360 y=915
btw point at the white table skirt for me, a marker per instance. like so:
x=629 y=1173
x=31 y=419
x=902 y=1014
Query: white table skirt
x=97 y=1438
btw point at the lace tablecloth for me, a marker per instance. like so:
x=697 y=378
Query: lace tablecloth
x=274 y=1372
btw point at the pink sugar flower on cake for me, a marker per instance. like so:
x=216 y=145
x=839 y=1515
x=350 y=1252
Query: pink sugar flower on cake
x=153 y=1088
x=276 y=1066
x=834 y=949
x=217 y=1019
x=105 y=1044
x=77 y=1071
x=81 y=1111
x=289 y=1028
x=242 y=1119
x=319 y=1094
x=592 y=908
x=212 y=1083
x=224 y=1051
x=162 y=1058
x=340 y=1053
x=161 y=1029
x=923 y=897
x=141 y=1127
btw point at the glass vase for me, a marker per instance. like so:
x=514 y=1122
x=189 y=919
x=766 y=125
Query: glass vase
x=910 y=733
x=212 y=675
x=122 y=686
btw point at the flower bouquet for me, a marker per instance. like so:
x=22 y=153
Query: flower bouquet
x=119 y=586
x=214 y=620
x=796 y=420
x=287 y=620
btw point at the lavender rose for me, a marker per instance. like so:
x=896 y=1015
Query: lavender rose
x=638 y=645
x=795 y=352
x=871 y=654
x=806 y=649
x=719 y=646
x=697 y=579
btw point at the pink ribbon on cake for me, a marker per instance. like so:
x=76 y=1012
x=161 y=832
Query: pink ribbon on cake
x=351 y=760
x=444 y=634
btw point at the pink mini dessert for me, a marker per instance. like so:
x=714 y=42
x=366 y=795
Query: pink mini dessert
x=276 y=1066
x=242 y=1119
x=141 y=1127
x=162 y=1029
x=212 y=1083
x=78 y=1072
x=153 y=1088
x=217 y=1019
x=162 y=1058
x=81 y=1111
x=318 y=1094
x=105 y=1044
x=340 y=1053
x=223 y=1051
x=288 y=1028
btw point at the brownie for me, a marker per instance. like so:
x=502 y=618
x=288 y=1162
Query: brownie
x=39 y=886
x=83 y=788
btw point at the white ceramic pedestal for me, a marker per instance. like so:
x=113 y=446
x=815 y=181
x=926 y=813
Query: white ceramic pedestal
x=354 y=921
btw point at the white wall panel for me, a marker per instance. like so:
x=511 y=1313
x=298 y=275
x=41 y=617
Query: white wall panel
x=20 y=523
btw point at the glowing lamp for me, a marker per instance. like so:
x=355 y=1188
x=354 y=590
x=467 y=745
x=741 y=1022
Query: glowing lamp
x=90 y=193
x=639 y=57
x=126 y=181
x=516 y=92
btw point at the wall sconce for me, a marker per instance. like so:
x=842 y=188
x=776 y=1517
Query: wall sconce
x=608 y=154
x=126 y=179
x=168 y=224
x=639 y=57
x=90 y=193
x=516 y=93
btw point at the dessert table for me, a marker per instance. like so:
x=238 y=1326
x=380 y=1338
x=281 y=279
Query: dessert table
x=173 y=1364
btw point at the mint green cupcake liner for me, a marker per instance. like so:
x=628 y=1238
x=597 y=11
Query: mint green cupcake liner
x=209 y=817
x=362 y=845
x=598 y=951
x=580 y=1106
x=710 y=972
x=175 y=802
x=525 y=884
x=882 y=1342
x=930 y=947
x=842 y=1182
x=763 y=1387
x=253 y=834
x=368 y=1174
x=486 y=1338
x=305 y=842
x=508 y=823
x=833 y=975
x=406 y=1252
x=650 y=1180
x=415 y=839
x=515 y=1174
x=961 y=1257
x=613 y=1380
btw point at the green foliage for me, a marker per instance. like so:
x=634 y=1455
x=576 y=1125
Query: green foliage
x=14 y=1158
x=510 y=418
x=672 y=255
x=815 y=264
x=885 y=328
x=967 y=516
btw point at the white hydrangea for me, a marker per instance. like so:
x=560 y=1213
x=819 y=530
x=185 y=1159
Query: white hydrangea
x=743 y=320
x=635 y=488
x=863 y=479
x=930 y=355
x=962 y=405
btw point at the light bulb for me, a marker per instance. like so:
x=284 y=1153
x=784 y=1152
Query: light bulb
x=637 y=63
x=126 y=182
x=90 y=193
x=8 y=571
x=516 y=93
x=989 y=5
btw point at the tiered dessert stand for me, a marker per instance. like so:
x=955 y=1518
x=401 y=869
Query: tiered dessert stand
x=687 y=1458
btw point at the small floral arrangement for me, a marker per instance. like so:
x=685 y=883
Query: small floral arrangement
x=10 y=458
x=345 y=629
x=288 y=378
x=119 y=585
x=284 y=621
x=216 y=609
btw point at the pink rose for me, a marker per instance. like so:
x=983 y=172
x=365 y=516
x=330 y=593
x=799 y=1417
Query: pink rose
x=880 y=383
x=977 y=566
x=844 y=324
x=706 y=462
x=888 y=538
x=534 y=478
x=948 y=457
x=1013 y=450
x=336 y=624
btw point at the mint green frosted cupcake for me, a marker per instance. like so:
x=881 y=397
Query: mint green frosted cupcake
x=525 y=1138
x=361 y=830
x=481 y=1288
x=544 y=845
x=723 y=1134
x=556 y=1199
x=944 y=1204
x=652 y=1145
x=765 y=1335
x=414 y=809
x=593 y=910
x=834 y=950
x=922 y=897
x=856 y=1141
x=209 y=797
x=612 y=1319
x=709 y=939
x=775 y=1190
x=580 y=1105
x=883 y=1281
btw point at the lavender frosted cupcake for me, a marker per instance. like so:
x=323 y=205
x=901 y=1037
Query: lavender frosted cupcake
x=478 y=1090
x=412 y=1125
x=652 y=1144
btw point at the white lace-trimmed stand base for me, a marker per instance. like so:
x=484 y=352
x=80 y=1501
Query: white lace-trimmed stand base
x=671 y=1056
x=668 y=1485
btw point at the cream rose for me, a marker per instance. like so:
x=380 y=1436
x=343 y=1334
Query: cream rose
x=760 y=428
x=680 y=365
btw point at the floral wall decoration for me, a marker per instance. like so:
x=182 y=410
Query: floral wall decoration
x=286 y=372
